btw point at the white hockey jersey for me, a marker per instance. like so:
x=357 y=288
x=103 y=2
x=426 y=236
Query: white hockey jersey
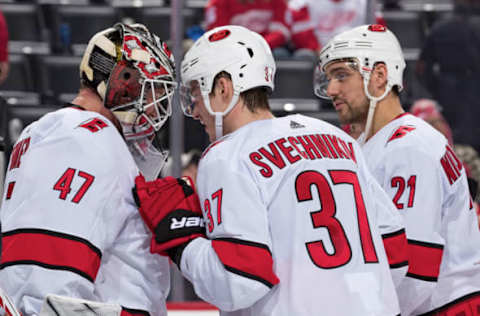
x=292 y=217
x=70 y=225
x=327 y=18
x=426 y=181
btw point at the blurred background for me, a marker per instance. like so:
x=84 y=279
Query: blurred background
x=42 y=41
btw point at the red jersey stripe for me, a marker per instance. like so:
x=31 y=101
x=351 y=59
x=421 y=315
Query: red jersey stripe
x=396 y=248
x=190 y=305
x=11 y=185
x=424 y=260
x=51 y=250
x=465 y=305
x=133 y=312
x=245 y=258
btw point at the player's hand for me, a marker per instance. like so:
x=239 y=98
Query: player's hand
x=171 y=209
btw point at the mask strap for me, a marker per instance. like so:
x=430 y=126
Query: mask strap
x=373 y=103
x=219 y=115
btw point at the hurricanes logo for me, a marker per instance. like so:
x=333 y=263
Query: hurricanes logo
x=219 y=35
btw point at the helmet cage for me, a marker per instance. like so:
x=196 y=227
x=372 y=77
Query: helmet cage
x=140 y=69
x=133 y=72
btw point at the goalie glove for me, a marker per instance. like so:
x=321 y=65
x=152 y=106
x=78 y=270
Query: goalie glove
x=171 y=209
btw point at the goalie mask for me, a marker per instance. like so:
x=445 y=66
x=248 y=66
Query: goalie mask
x=133 y=72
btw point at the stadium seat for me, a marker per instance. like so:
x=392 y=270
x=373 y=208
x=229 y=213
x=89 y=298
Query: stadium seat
x=57 y=75
x=26 y=27
x=157 y=19
x=3 y=125
x=413 y=88
x=76 y=24
x=293 y=79
x=294 y=105
x=408 y=26
x=21 y=97
x=20 y=74
x=24 y=21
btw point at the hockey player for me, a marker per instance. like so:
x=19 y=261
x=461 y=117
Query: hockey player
x=70 y=224
x=267 y=17
x=324 y=18
x=291 y=212
x=413 y=162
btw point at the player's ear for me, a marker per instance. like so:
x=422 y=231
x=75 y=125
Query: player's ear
x=224 y=88
x=378 y=79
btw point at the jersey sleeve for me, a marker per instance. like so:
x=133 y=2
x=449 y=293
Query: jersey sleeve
x=129 y=274
x=413 y=182
x=217 y=13
x=302 y=28
x=234 y=268
x=278 y=31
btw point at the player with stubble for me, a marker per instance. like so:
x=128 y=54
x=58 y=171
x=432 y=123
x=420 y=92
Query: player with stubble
x=362 y=72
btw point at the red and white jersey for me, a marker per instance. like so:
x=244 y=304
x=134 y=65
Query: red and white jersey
x=327 y=18
x=70 y=225
x=266 y=17
x=292 y=217
x=426 y=181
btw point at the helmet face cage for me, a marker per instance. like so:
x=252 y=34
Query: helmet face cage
x=133 y=72
x=154 y=64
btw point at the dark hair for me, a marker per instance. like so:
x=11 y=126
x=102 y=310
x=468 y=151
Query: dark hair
x=254 y=99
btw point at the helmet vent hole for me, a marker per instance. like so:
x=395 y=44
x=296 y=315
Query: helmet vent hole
x=243 y=66
x=241 y=75
x=241 y=43
x=250 y=52
x=157 y=65
x=364 y=34
x=126 y=76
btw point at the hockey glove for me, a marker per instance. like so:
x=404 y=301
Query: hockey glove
x=171 y=209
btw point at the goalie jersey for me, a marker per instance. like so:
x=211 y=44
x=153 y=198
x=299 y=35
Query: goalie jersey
x=426 y=181
x=69 y=222
x=294 y=224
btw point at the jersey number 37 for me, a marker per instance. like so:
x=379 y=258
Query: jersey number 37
x=325 y=217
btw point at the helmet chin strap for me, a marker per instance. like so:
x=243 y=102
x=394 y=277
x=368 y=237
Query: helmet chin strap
x=219 y=115
x=218 y=125
x=372 y=106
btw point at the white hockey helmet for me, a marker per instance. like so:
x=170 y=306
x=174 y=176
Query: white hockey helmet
x=242 y=53
x=133 y=72
x=367 y=45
